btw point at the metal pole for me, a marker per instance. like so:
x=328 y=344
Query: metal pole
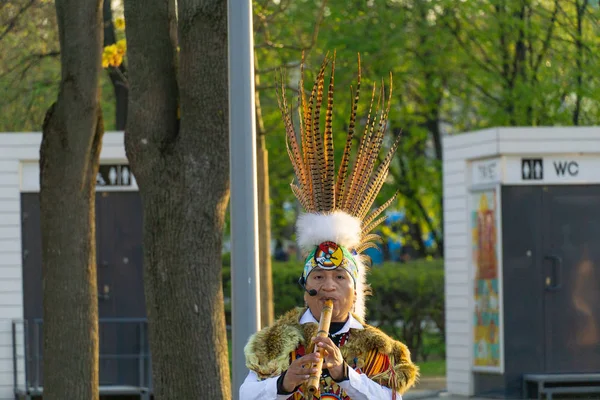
x=243 y=206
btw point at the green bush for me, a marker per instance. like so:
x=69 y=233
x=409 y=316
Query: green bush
x=287 y=293
x=407 y=300
x=226 y=259
x=227 y=292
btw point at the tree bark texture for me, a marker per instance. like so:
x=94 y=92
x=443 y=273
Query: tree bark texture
x=69 y=156
x=182 y=169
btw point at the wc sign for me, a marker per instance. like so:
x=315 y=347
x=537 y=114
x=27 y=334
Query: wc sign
x=553 y=170
x=114 y=175
x=567 y=167
x=532 y=169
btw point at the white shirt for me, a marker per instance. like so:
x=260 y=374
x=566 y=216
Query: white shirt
x=357 y=387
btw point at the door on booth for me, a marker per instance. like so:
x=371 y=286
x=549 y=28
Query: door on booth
x=121 y=305
x=571 y=277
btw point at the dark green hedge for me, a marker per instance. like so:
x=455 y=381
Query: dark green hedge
x=407 y=300
x=408 y=303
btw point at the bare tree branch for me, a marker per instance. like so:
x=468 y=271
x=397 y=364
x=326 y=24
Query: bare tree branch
x=488 y=65
x=275 y=68
x=268 y=43
x=547 y=39
x=520 y=55
x=123 y=81
x=574 y=42
x=31 y=61
x=13 y=22
x=284 y=5
x=276 y=86
x=467 y=77
x=579 y=61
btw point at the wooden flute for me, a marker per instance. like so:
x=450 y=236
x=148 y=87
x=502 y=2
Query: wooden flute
x=324 y=322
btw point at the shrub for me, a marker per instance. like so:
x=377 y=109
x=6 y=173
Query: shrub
x=407 y=302
x=287 y=293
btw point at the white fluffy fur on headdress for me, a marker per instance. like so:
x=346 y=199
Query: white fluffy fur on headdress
x=339 y=227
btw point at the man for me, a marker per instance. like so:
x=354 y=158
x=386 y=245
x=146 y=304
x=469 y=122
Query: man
x=359 y=362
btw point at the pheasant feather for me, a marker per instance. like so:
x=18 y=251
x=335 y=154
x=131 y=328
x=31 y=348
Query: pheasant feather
x=368 y=224
x=379 y=179
x=336 y=205
x=366 y=184
x=291 y=141
x=359 y=162
x=329 y=177
x=341 y=179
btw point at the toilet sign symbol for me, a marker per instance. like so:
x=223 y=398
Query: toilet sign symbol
x=114 y=175
x=124 y=175
x=100 y=179
x=532 y=169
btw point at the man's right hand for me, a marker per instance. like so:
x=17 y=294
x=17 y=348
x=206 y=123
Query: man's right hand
x=299 y=371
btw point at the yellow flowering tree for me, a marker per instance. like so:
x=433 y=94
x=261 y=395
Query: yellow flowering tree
x=114 y=62
x=113 y=55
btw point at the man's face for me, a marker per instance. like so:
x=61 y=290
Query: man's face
x=335 y=284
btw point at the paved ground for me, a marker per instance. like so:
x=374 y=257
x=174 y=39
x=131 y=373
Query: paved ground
x=436 y=395
x=433 y=388
x=437 y=383
x=427 y=388
x=439 y=396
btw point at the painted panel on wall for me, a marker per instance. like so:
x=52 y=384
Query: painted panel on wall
x=486 y=334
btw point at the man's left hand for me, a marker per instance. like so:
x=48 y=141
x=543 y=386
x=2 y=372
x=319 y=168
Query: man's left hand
x=332 y=358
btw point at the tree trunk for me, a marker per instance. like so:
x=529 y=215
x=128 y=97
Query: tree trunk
x=182 y=169
x=69 y=156
x=264 y=229
x=116 y=77
x=579 y=60
x=264 y=215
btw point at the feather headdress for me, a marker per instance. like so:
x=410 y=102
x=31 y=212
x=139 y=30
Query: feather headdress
x=337 y=224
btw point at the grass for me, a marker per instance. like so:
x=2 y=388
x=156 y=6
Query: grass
x=432 y=368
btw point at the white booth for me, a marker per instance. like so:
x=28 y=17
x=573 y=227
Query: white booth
x=522 y=258
x=124 y=362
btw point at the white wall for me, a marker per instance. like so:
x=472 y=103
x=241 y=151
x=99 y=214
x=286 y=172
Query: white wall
x=19 y=171
x=458 y=288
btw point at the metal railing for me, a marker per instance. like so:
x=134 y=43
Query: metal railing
x=124 y=360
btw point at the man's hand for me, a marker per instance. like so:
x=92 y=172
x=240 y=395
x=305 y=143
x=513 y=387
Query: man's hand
x=299 y=371
x=333 y=360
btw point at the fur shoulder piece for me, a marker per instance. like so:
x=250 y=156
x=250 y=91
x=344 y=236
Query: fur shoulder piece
x=402 y=373
x=268 y=351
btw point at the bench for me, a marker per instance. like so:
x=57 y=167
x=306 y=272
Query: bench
x=551 y=384
x=143 y=392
